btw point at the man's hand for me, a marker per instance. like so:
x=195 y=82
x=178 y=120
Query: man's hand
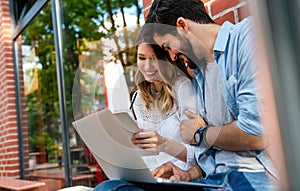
x=180 y=175
x=170 y=171
x=190 y=126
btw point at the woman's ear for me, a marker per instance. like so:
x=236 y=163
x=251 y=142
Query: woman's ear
x=181 y=23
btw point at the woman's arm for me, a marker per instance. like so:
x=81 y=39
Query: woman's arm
x=152 y=141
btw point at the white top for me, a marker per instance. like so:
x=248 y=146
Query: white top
x=168 y=126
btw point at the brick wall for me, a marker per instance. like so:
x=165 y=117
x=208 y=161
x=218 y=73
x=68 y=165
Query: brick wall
x=220 y=10
x=227 y=10
x=9 y=156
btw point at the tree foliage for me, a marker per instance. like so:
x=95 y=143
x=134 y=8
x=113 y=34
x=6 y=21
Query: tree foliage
x=81 y=21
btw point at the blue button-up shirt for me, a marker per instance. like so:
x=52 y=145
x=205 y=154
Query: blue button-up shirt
x=234 y=53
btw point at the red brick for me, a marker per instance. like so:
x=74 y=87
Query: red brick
x=221 y=5
x=14 y=154
x=206 y=9
x=5 y=9
x=6 y=31
x=5 y=22
x=12 y=162
x=146 y=12
x=12 y=143
x=12 y=174
x=10 y=82
x=16 y=167
x=243 y=12
x=9 y=72
x=147 y=3
x=5 y=3
x=227 y=17
x=10 y=125
x=12 y=137
x=10 y=89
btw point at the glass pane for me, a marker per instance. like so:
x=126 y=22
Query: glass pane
x=97 y=51
x=95 y=46
x=21 y=7
x=40 y=106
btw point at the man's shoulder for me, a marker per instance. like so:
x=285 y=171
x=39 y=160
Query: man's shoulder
x=245 y=24
x=247 y=20
x=242 y=31
x=240 y=27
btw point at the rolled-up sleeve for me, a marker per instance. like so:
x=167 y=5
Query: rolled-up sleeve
x=247 y=89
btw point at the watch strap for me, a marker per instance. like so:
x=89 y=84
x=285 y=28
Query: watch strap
x=201 y=133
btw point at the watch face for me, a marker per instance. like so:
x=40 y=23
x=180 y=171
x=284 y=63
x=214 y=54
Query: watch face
x=197 y=137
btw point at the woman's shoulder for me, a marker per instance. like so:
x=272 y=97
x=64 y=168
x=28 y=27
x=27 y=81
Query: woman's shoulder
x=182 y=80
x=181 y=85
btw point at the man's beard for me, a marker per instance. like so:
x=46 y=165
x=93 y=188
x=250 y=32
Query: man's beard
x=187 y=52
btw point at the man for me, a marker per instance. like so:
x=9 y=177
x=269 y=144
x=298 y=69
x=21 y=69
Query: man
x=227 y=134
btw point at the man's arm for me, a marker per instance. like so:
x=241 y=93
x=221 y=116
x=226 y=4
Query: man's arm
x=227 y=137
x=230 y=137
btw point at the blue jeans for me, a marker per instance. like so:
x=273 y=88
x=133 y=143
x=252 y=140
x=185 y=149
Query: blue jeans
x=111 y=185
x=235 y=181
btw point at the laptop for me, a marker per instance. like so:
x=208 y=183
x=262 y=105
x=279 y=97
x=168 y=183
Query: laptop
x=108 y=137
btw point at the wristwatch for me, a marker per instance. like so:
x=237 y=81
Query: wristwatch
x=199 y=135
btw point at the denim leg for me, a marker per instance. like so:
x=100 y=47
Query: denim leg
x=237 y=181
x=215 y=179
x=259 y=181
x=234 y=180
x=116 y=185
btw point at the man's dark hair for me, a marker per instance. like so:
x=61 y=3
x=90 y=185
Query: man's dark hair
x=168 y=11
x=163 y=15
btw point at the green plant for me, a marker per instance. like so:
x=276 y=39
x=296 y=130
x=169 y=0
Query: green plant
x=37 y=142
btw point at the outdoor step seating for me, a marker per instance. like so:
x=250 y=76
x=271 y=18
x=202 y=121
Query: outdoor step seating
x=12 y=184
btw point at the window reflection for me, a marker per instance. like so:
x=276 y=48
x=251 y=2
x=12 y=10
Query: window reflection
x=100 y=37
x=41 y=117
x=103 y=38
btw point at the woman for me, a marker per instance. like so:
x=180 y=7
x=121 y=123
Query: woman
x=164 y=92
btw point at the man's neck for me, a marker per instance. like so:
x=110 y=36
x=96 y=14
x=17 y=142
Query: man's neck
x=206 y=33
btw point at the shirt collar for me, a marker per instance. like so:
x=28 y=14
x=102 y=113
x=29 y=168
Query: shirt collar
x=222 y=38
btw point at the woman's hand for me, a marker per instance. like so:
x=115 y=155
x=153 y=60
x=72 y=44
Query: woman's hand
x=149 y=140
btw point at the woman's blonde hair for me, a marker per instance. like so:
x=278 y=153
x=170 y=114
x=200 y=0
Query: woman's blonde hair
x=168 y=73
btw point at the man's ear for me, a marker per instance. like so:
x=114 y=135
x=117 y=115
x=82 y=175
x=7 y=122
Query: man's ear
x=182 y=24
